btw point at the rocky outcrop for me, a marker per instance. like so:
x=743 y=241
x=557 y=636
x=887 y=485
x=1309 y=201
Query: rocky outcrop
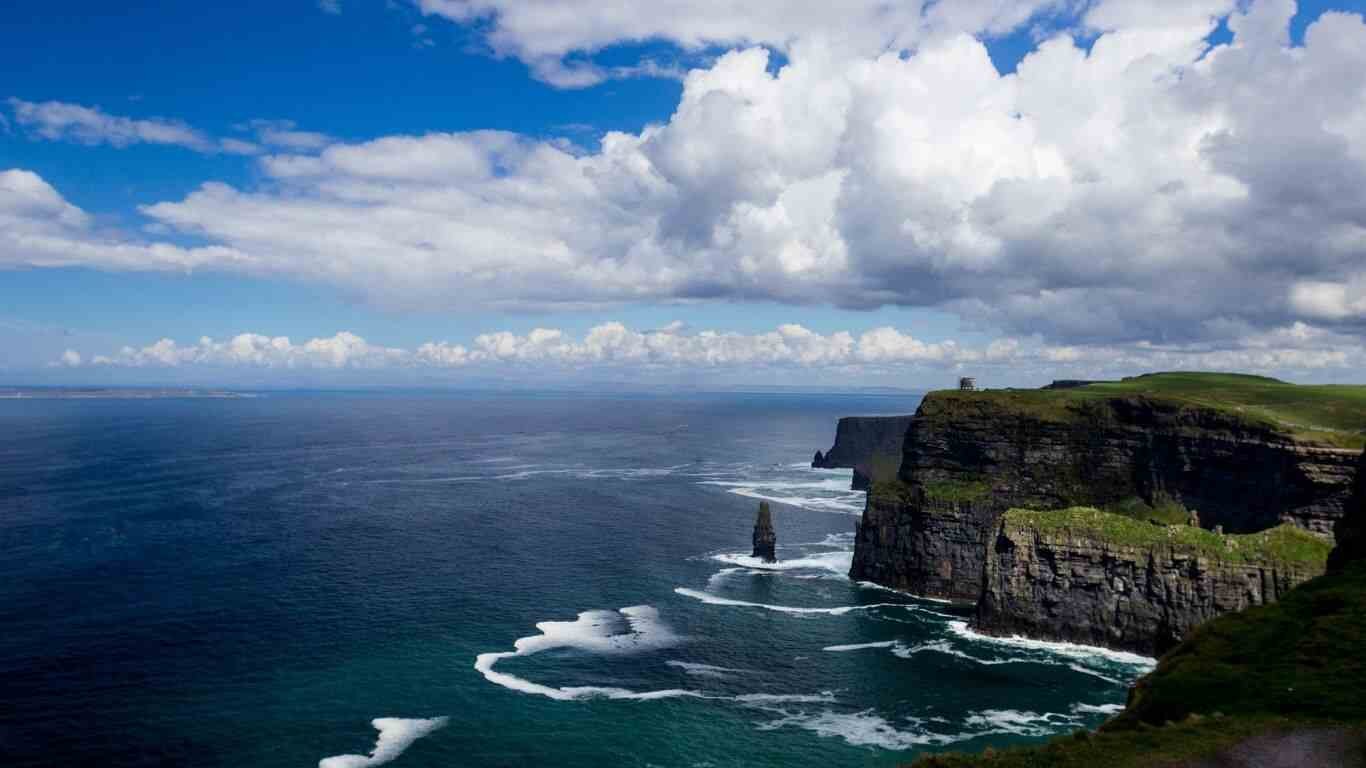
x=870 y=445
x=765 y=538
x=1084 y=586
x=1351 y=528
x=968 y=457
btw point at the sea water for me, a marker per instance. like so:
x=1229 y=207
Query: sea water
x=466 y=579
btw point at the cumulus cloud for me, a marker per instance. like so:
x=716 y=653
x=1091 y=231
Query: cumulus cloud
x=60 y=121
x=1148 y=188
x=39 y=228
x=614 y=346
x=554 y=37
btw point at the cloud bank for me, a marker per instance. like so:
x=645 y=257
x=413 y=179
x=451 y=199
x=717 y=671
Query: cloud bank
x=1145 y=189
x=613 y=346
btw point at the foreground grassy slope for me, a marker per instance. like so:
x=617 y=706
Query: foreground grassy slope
x=1294 y=664
x=1332 y=415
x=1283 y=544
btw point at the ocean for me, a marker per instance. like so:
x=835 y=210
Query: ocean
x=476 y=579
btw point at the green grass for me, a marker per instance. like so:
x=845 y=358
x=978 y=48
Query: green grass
x=957 y=490
x=1299 y=662
x=1332 y=415
x=1165 y=512
x=881 y=467
x=1284 y=544
x=891 y=491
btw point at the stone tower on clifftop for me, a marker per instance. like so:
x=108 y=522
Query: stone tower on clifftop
x=765 y=538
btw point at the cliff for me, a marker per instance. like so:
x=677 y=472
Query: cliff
x=1268 y=686
x=1085 y=576
x=870 y=445
x=1351 y=528
x=1277 y=684
x=1227 y=449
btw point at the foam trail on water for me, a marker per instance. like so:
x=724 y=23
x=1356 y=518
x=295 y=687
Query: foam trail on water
x=871 y=585
x=1098 y=709
x=395 y=735
x=864 y=729
x=1079 y=652
x=861 y=646
x=711 y=599
x=835 y=562
x=705 y=670
x=594 y=632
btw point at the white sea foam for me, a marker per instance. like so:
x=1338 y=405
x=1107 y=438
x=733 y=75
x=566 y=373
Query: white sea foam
x=861 y=646
x=871 y=585
x=395 y=735
x=850 y=503
x=863 y=729
x=1097 y=709
x=829 y=484
x=1080 y=652
x=824 y=697
x=835 y=562
x=841 y=610
x=705 y=670
x=629 y=630
x=1018 y=723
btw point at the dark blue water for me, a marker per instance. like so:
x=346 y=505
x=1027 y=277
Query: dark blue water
x=253 y=582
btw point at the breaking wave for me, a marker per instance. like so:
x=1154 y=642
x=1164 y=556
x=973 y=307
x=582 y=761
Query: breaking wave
x=396 y=734
x=839 y=610
x=629 y=630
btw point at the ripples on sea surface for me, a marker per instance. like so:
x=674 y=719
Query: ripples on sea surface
x=564 y=579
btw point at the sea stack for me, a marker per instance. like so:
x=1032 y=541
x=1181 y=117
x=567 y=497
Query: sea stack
x=765 y=539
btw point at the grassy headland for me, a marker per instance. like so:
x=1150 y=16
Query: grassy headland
x=1331 y=415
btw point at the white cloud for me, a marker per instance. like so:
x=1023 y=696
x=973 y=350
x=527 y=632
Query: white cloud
x=60 y=121
x=1147 y=189
x=39 y=228
x=554 y=36
x=285 y=134
x=330 y=6
x=614 y=346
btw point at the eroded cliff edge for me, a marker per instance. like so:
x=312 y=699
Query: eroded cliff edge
x=869 y=445
x=1147 y=448
x=1096 y=578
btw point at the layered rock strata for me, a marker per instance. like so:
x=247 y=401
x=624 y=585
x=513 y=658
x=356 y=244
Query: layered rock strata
x=1083 y=582
x=968 y=457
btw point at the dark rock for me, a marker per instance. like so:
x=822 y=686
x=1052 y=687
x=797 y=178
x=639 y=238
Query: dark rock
x=968 y=458
x=1351 y=528
x=1146 y=599
x=765 y=538
x=859 y=438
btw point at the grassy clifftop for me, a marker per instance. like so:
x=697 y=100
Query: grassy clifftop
x=1296 y=664
x=1283 y=544
x=1332 y=415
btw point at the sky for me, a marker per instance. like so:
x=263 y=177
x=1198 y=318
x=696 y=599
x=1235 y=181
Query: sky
x=680 y=193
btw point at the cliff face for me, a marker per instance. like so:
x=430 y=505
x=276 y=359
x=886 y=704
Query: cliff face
x=968 y=457
x=1351 y=527
x=870 y=445
x=1081 y=586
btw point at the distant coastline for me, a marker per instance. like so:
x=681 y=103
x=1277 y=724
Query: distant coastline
x=117 y=393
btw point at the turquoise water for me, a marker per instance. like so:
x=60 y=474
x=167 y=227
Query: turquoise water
x=253 y=582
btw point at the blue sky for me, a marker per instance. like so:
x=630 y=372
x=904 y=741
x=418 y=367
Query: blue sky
x=363 y=72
